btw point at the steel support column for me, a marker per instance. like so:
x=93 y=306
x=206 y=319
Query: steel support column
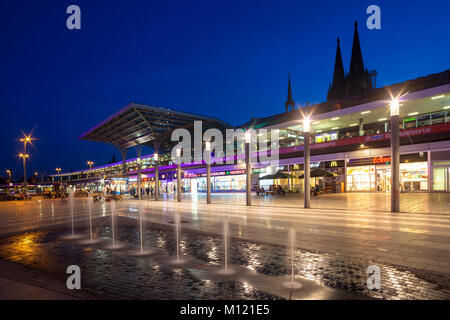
x=395 y=164
x=248 y=174
x=179 y=182
x=156 y=180
x=307 y=174
x=139 y=166
x=208 y=183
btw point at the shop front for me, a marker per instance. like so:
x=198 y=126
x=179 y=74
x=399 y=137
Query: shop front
x=374 y=174
x=221 y=181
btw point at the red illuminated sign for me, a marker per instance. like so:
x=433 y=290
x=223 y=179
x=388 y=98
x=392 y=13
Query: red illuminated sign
x=381 y=159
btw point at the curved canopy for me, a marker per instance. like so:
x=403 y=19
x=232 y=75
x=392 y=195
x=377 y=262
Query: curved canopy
x=138 y=124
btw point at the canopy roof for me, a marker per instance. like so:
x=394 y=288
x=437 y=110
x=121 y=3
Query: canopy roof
x=317 y=172
x=138 y=124
x=278 y=175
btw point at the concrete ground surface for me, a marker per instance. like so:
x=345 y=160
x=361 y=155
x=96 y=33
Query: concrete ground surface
x=353 y=224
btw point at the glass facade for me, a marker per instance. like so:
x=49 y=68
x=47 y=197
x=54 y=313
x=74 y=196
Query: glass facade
x=413 y=177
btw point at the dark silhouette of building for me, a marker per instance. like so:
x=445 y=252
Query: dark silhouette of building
x=289 y=102
x=338 y=87
x=358 y=81
x=113 y=160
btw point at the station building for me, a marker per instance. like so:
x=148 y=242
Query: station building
x=350 y=138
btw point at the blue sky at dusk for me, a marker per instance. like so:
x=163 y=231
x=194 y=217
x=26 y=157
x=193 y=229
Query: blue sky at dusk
x=227 y=59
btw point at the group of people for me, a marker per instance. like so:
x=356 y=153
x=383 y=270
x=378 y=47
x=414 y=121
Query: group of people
x=273 y=189
x=148 y=191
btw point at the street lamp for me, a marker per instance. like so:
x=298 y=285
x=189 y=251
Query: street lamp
x=395 y=156
x=9 y=174
x=248 y=168
x=90 y=163
x=306 y=160
x=26 y=139
x=208 y=171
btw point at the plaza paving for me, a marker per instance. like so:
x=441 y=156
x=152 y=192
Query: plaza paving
x=351 y=226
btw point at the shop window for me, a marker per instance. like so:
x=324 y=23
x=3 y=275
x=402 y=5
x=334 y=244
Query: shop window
x=439 y=179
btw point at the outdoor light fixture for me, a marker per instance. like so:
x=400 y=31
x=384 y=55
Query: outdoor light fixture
x=334 y=128
x=208 y=143
x=437 y=97
x=178 y=152
x=306 y=125
x=353 y=124
x=155 y=157
x=447 y=107
x=382 y=119
x=335 y=118
x=395 y=105
x=365 y=112
x=413 y=113
x=248 y=137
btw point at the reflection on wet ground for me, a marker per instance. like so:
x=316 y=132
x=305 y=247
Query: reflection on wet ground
x=115 y=274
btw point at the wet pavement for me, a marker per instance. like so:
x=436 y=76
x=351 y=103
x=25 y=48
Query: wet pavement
x=334 y=246
x=117 y=275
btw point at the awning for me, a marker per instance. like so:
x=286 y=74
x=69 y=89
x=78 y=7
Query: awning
x=278 y=175
x=319 y=173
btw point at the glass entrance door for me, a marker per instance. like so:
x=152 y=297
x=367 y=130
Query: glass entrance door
x=383 y=179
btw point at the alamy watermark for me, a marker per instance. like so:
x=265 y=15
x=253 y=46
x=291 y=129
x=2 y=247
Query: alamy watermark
x=73 y=22
x=374 y=20
x=374 y=280
x=209 y=146
x=74 y=280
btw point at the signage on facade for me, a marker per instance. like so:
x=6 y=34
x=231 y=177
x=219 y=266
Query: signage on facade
x=385 y=160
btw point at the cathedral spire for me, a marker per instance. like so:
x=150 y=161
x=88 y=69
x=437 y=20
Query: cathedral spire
x=356 y=63
x=358 y=80
x=289 y=101
x=337 y=88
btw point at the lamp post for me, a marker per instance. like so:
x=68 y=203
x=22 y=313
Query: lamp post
x=25 y=140
x=9 y=174
x=306 y=157
x=90 y=163
x=155 y=157
x=208 y=172
x=139 y=190
x=395 y=156
x=24 y=156
x=179 y=175
x=59 y=171
x=248 y=168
